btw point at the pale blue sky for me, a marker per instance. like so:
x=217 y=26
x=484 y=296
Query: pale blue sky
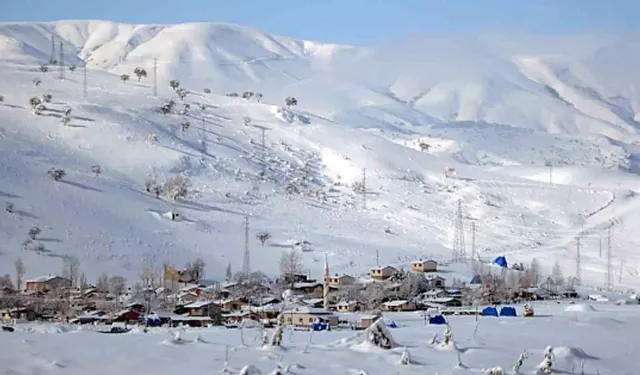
x=350 y=21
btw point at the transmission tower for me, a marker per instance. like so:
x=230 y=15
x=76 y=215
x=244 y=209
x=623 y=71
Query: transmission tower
x=61 y=62
x=621 y=270
x=364 y=188
x=155 y=77
x=459 y=253
x=52 y=59
x=263 y=143
x=609 y=279
x=578 y=275
x=246 y=260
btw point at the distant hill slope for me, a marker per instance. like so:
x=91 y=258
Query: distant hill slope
x=491 y=112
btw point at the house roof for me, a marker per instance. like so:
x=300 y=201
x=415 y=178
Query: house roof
x=307 y=310
x=423 y=261
x=42 y=279
x=396 y=303
x=346 y=303
x=383 y=268
x=198 y=304
x=301 y=285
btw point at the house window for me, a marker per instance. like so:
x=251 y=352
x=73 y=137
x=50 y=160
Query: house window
x=310 y=320
x=300 y=320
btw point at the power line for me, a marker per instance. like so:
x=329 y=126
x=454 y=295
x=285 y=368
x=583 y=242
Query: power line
x=52 y=59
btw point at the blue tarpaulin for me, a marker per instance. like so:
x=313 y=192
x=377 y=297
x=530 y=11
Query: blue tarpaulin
x=437 y=319
x=153 y=321
x=508 y=311
x=320 y=326
x=392 y=324
x=501 y=261
x=475 y=280
x=489 y=311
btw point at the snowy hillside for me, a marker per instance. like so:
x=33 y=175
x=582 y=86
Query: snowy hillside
x=494 y=113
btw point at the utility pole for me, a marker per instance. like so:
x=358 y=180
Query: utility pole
x=246 y=261
x=204 y=137
x=377 y=258
x=155 y=77
x=578 y=275
x=61 y=62
x=364 y=188
x=550 y=165
x=621 y=268
x=473 y=240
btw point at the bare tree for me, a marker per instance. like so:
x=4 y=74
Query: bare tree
x=5 y=282
x=149 y=274
x=535 y=271
x=96 y=169
x=182 y=93
x=196 y=269
x=140 y=72
x=174 y=84
x=82 y=285
x=291 y=265
x=117 y=286
x=229 y=273
x=556 y=276
x=124 y=78
x=20 y=271
x=102 y=283
x=176 y=187
x=56 y=174
x=34 y=232
x=291 y=101
x=263 y=237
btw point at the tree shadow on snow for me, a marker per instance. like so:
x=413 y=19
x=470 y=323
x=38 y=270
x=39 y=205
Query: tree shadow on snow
x=25 y=214
x=48 y=239
x=83 y=118
x=52 y=114
x=8 y=195
x=75 y=126
x=81 y=186
x=205 y=207
x=14 y=106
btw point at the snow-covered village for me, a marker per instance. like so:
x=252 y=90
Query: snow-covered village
x=330 y=188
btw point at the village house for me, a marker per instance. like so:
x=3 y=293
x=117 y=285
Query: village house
x=20 y=313
x=382 y=273
x=46 y=284
x=173 y=279
x=204 y=309
x=126 y=315
x=342 y=280
x=238 y=316
x=229 y=304
x=296 y=278
x=435 y=281
x=347 y=306
x=311 y=288
x=303 y=316
x=424 y=266
x=399 y=305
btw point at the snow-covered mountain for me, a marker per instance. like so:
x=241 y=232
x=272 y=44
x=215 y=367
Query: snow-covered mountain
x=492 y=109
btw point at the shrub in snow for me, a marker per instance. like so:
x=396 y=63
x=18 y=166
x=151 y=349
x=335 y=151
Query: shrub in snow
x=8 y=207
x=524 y=355
x=182 y=93
x=358 y=187
x=276 y=339
x=424 y=146
x=258 y=96
x=1 y=99
x=250 y=370
x=65 y=120
x=184 y=125
x=34 y=101
x=39 y=109
x=263 y=237
x=174 y=84
x=246 y=121
x=44 y=68
x=232 y=95
x=47 y=98
x=207 y=91
x=56 y=174
x=96 y=169
x=72 y=68
x=545 y=365
x=448 y=336
x=493 y=371
x=124 y=78
x=406 y=357
x=167 y=107
x=247 y=95
x=176 y=187
x=291 y=101
x=36 y=82
x=139 y=72
x=67 y=111
x=34 y=232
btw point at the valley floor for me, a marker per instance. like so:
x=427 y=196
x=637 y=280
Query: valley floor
x=601 y=337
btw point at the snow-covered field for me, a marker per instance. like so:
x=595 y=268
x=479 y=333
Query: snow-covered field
x=599 y=339
x=496 y=113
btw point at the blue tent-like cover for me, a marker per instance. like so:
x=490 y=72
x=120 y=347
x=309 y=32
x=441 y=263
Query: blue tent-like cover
x=508 y=311
x=437 y=319
x=489 y=311
x=501 y=261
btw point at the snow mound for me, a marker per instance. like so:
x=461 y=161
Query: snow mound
x=51 y=328
x=579 y=308
x=288 y=116
x=568 y=353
